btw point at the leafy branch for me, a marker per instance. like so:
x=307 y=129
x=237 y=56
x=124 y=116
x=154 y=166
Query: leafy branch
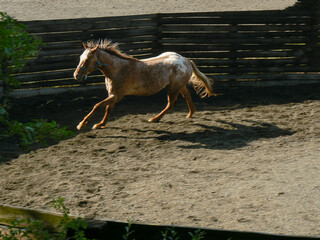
x=16 y=47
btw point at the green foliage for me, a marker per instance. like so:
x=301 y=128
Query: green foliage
x=170 y=234
x=76 y=226
x=39 y=131
x=128 y=232
x=33 y=132
x=197 y=235
x=16 y=46
x=4 y=117
x=28 y=229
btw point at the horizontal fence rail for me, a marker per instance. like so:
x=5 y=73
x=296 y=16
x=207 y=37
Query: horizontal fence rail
x=234 y=48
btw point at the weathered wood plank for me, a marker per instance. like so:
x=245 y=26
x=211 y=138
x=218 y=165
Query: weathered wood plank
x=212 y=38
x=96 y=34
x=203 y=36
x=207 y=49
x=64 y=73
x=61 y=45
x=235 y=14
x=89 y=23
x=242 y=54
x=53 y=91
x=250 y=62
x=8 y=214
x=68 y=82
x=261 y=70
x=238 y=20
x=84 y=25
x=223 y=28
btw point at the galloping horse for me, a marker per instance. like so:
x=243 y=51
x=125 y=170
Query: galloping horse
x=125 y=75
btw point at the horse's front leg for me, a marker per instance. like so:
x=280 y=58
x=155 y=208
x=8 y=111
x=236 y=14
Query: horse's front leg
x=104 y=120
x=110 y=100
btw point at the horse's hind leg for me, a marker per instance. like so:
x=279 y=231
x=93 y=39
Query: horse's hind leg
x=172 y=97
x=187 y=96
x=104 y=120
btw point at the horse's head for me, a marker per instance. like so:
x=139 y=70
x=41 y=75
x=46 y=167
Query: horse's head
x=88 y=63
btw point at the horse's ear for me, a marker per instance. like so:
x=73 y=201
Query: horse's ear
x=84 y=45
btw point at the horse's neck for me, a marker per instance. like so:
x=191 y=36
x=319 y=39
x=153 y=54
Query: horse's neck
x=114 y=64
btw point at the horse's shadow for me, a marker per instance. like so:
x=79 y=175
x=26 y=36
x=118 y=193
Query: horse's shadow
x=234 y=136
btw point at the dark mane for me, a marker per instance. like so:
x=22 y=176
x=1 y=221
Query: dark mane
x=109 y=47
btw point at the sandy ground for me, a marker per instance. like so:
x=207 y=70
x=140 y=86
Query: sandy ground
x=61 y=9
x=248 y=160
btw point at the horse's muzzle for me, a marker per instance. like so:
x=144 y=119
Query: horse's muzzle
x=80 y=77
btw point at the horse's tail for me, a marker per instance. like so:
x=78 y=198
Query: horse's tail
x=201 y=84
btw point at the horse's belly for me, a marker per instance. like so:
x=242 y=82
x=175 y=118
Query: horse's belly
x=148 y=87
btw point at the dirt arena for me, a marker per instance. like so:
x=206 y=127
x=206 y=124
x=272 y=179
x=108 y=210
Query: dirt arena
x=247 y=160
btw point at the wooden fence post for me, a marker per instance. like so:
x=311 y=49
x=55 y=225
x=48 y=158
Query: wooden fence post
x=1 y=88
x=158 y=45
x=315 y=28
x=234 y=53
x=312 y=46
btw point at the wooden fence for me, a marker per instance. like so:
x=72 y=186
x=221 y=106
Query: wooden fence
x=234 y=48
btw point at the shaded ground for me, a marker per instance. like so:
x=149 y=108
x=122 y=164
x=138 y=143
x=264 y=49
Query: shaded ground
x=248 y=160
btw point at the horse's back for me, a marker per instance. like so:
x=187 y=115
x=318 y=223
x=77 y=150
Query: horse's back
x=164 y=57
x=171 y=61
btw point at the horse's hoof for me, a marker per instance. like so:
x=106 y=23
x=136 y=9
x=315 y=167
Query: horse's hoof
x=79 y=127
x=154 y=120
x=98 y=126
